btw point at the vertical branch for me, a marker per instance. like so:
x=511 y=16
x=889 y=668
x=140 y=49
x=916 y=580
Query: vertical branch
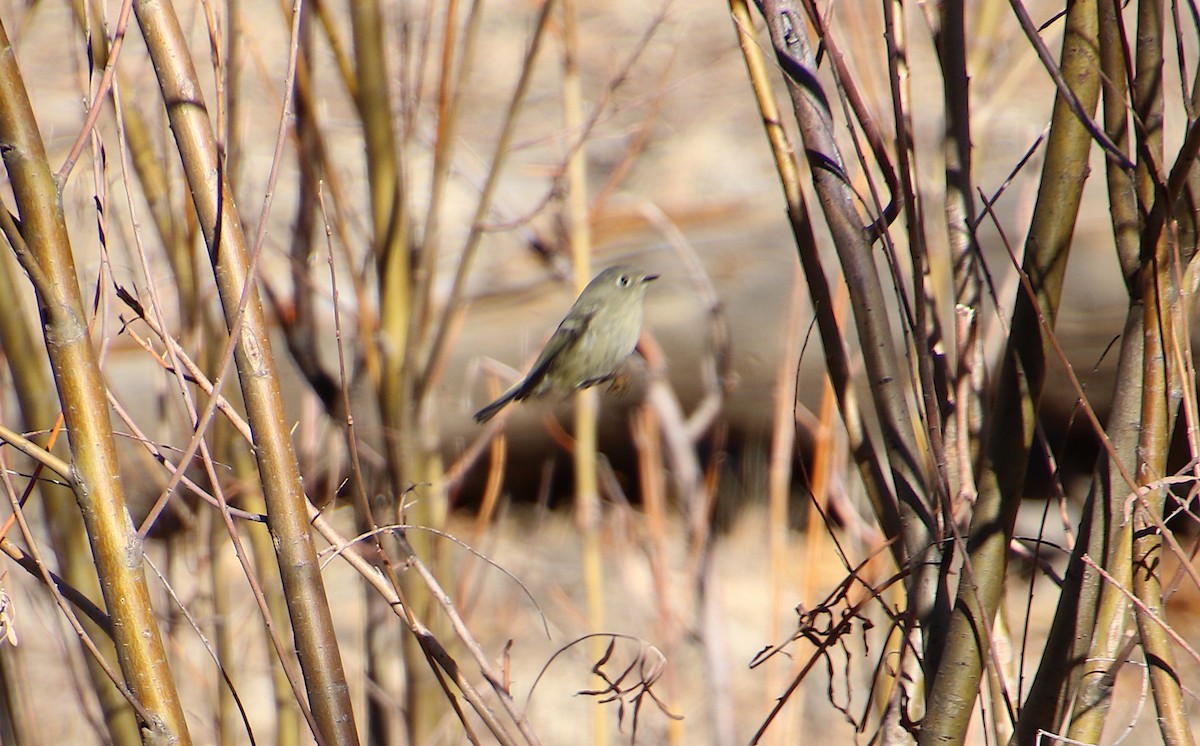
x=1090 y=621
x=151 y=172
x=312 y=622
x=299 y=322
x=97 y=484
x=927 y=328
x=587 y=407
x=385 y=177
x=31 y=379
x=449 y=103
x=455 y=307
x=837 y=356
x=888 y=381
x=1010 y=431
x=1162 y=378
x=646 y=434
x=1161 y=393
x=956 y=148
x=967 y=423
x=389 y=227
x=231 y=51
x=35 y=395
x=780 y=459
x=399 y=377
x=1094 y=612
x=287 y=716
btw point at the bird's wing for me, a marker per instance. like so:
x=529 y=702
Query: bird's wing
x=564 y=338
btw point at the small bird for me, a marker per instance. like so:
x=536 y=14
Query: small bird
x=599 y=332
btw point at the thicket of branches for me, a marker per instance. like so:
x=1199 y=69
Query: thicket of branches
x=934 y=376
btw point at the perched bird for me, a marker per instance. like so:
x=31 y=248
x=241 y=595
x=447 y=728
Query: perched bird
x=599 y=332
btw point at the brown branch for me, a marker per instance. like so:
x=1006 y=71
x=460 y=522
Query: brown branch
x=98 y=486
x=232 y=263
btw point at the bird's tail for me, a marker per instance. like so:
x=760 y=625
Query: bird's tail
x=492 y=409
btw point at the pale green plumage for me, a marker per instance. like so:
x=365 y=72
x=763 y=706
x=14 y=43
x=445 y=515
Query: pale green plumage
x=598 y=333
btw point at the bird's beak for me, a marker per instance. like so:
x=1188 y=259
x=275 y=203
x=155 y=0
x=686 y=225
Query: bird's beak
x=648 y=278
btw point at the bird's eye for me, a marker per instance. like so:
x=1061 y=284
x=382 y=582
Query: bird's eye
x=623 y=281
